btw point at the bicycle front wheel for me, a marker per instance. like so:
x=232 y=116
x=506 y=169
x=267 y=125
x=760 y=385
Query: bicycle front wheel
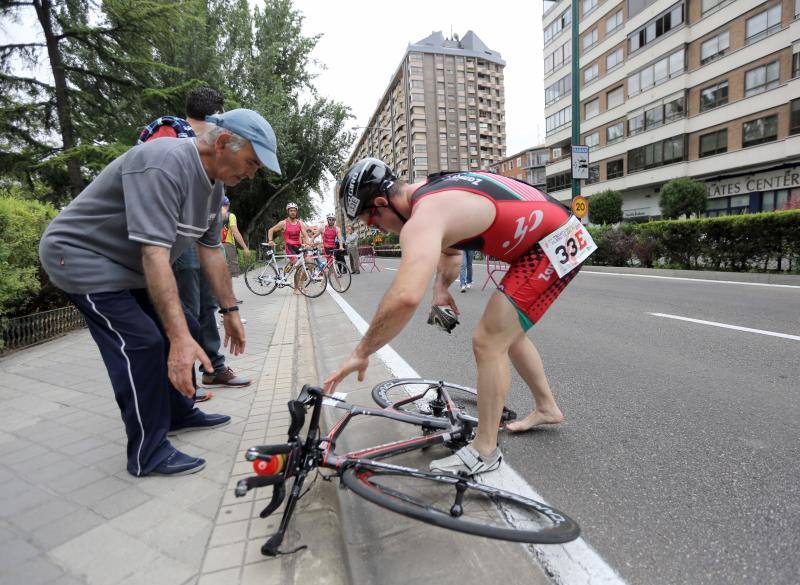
x=339 y=277
x=311 y=280
x=261 y=278
x=459 y=504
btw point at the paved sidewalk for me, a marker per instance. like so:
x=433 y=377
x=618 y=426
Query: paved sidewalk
x=70 y=513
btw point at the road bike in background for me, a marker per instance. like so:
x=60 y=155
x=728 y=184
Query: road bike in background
x=456 y=502
x=301 y=272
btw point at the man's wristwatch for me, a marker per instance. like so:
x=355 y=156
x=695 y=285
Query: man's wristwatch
x=226 y=310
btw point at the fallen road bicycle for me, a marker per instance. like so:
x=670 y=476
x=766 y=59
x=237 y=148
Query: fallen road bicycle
x=456 y=502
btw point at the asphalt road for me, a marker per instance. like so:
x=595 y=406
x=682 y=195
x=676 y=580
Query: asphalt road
x=680 y=456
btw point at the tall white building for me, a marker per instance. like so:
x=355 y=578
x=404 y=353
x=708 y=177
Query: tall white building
x=708 y=89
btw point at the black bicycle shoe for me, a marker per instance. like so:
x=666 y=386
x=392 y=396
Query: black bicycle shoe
x=443 y=317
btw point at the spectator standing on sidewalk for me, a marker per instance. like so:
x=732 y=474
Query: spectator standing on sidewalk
x=111 y=250
x=465 y=276
x=230 y=237
x=351 y=240
x=193 y=288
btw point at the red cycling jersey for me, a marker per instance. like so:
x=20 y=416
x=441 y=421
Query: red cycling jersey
x=329 y=237
x=523 y=216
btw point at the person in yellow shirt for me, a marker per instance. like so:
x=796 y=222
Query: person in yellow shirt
x=230 y=237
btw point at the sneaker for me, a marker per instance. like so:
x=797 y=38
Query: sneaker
x=463 y=288
x=468 y=460
x=225 y=377
x=469 y=285
x=199 y=420
x=179 y=464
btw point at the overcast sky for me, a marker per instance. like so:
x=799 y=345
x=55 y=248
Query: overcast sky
x=364 y=41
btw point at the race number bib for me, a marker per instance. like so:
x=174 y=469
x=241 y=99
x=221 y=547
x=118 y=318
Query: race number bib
x=568 y=246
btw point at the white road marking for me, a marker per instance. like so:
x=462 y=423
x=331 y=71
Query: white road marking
x=574 y=563
x=726 y=326
x=584 y=271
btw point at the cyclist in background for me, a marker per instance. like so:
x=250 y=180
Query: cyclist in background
x=332 y=236
x=436 y=219
x=293 y=230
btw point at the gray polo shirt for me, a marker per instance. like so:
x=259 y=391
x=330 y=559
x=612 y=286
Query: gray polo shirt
x=157 y=193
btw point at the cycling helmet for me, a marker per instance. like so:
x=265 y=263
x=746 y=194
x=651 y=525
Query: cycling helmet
x=330 y=216
x=291 y=205
x=365 y=180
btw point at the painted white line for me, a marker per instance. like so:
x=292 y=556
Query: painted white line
x=726 y=326
x=392 y=269
x=584 y=271
x=574 y=563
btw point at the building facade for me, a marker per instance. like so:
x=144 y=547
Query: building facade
x=527 y=165
x=708 y=89
x=444 y=109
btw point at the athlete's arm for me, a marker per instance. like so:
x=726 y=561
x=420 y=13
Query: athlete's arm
x=446 y=272
x=280 y=226
x=237 y=236
x=183 y=349
x=421 y=246
x=341 y=239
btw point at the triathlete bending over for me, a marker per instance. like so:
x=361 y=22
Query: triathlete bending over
x=436 y=219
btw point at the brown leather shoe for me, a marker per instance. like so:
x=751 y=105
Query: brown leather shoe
x=225 y=377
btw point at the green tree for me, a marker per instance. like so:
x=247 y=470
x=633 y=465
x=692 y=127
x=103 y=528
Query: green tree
x=101 y=63
x=683 y=196
x=605 y=207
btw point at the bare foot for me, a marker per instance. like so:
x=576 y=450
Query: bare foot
x=535 y=419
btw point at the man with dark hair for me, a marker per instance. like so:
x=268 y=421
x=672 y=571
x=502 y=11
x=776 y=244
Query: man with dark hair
x=111 y=251
x=436 y=220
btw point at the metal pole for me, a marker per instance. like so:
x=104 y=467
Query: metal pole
x=576 y=89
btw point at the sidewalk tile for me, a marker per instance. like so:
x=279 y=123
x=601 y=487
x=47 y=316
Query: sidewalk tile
x=223 y=557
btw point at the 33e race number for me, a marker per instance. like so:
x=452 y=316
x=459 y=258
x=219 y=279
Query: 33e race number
x=572 y=247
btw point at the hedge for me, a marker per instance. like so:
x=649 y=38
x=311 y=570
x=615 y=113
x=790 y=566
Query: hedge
x=21 y=223
x=760 y=242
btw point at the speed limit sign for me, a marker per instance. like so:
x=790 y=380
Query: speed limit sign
x=580 y=206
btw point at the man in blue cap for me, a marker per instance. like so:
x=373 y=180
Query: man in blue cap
x=111 y=251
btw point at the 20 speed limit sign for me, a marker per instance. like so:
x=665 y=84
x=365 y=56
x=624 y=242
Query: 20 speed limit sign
x=580 y=206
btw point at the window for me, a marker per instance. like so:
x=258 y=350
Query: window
x=592 y=140
x=714 y=47
x=559 y=57
x=590 y=39
x=657 y=27
x=657 y=154
x=615 y=133
x=763 y=24
x=555 y=27
x=780 y=199
x=594 y=174
x=636 y=124
x=794 y=117
x=613 y=22
x=760 y=131
x=558 y=90
x=590 y=73
x=653 y=118
x=711 y=4
x=589 y=6
x=714 y=143
x=557 y=120
x=762 y=78
x=796 y=63
x=714 y=96
x=421 y=161
x=674 y=109
x=614 y=169
x=614 y=59
x=559 y=181
x=656 y=72
x=615 y=97
x=592 y=108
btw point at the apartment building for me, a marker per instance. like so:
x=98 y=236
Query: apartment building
x=708 y=89
x=527 y=165
x=444 y=109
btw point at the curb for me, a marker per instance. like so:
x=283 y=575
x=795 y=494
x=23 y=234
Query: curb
x=744 y=277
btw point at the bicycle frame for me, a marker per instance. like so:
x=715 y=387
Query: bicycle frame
x=453 y=430
x=300 y=263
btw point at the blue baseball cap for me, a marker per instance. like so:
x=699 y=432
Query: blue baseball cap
x=252 y=126
x=225 y=200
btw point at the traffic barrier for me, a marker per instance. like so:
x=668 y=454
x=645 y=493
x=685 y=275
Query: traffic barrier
x=494 y=265
x=366 y=257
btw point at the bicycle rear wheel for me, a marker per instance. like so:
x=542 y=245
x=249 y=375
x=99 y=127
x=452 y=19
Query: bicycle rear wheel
x=311 y=281
x=339 y=277
x=261 y=278
x=459 y=504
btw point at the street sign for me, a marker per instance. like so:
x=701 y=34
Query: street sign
x=580 y=162
x=580 y=206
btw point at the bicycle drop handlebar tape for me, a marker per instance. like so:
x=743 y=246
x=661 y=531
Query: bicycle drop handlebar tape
x=443 y=317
